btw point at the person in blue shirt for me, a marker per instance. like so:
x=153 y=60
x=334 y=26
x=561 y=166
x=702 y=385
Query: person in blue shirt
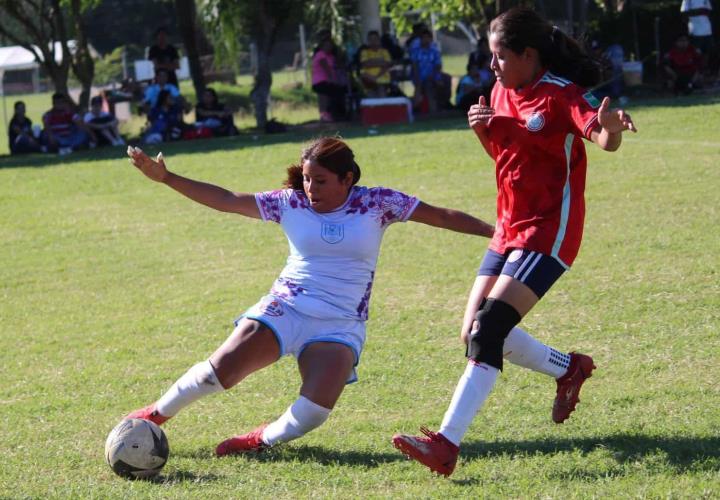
x=427 y=72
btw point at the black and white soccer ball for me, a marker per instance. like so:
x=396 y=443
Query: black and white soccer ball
x=136 y=449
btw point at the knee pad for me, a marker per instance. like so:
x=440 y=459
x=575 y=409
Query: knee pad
x=494 y=322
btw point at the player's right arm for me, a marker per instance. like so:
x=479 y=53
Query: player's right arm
x=201 y=192
x=478 y=117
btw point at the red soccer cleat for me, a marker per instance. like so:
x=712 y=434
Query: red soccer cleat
x=433 y=451
x=568 y=386
x=250 y=442
x=149 y=413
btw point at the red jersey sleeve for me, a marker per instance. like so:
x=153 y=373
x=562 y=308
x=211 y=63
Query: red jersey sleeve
x=581 y=106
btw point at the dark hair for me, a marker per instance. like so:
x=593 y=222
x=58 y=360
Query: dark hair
x=96 y=100
x=160 y=29
x=59 y=96
x=330 y=153
x=162 y=96
x=212 y=92
x=519 y=28
x=18 y=104
x=373 y=32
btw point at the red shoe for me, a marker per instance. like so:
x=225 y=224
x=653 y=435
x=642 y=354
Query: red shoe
x=149 y=413
x=568 y=386
x=433 y=451
x=252 y=441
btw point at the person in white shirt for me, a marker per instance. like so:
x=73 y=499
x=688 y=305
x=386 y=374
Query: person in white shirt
x=697 y=13
x=103 y=124
x=317 y=308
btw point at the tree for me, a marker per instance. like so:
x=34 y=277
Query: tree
x=256 y=21
x=36 y=25
x=188 y=24
x=41 y=27
x=82 y=62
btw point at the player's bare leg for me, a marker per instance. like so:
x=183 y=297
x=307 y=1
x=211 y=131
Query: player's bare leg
x=325 y=368
x=250 y=347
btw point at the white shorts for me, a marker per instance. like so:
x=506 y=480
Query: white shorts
x=295 y=331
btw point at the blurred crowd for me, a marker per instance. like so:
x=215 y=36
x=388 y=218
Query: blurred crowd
x=381 y=67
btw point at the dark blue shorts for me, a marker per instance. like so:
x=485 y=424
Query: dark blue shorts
x=535 y=270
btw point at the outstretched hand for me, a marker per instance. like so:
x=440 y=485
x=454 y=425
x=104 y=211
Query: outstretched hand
x=153 y=169
x=479 y=114
x=614 y=120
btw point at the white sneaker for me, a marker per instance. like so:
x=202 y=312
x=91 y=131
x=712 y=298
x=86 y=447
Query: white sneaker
x=65 y=151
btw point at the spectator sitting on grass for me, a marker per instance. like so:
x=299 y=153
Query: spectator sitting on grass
x=212 y=114
x=20 y=132
x=682 y=66
x=103 y=124
x=152 y=92
x=64 y=130
x=165 y=120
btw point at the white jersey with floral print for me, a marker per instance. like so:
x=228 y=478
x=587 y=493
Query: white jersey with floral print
x=329 y=272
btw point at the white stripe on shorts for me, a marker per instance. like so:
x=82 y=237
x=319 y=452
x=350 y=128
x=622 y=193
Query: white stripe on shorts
x=522 y=267
x=530 y=267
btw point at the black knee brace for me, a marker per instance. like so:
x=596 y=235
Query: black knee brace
x=494 y=321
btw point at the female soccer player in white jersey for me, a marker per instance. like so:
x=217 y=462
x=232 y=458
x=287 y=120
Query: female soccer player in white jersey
x=534 y=128
x=317 y=308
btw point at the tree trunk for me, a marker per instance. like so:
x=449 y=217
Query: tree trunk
x=261 y=87
x=265 y=39
x=83 y=64
x=186 y=12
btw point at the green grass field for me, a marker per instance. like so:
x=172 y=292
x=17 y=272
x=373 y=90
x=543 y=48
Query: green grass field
x=112 y=286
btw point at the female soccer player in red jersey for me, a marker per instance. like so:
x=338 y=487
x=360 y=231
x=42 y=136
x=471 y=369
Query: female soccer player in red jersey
x=533 y=129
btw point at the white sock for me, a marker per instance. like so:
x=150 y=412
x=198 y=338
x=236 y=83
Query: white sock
x=299 y=419
x=524 y=350
x=471 y=392
x=198 y=381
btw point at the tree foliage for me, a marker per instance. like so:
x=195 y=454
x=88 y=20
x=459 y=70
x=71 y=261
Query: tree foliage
x=447 y=12
x=234 y=24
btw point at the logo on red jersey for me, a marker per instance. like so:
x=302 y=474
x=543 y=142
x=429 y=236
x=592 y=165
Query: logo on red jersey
x=535 y=122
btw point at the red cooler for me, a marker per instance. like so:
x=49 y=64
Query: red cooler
x=386 y=110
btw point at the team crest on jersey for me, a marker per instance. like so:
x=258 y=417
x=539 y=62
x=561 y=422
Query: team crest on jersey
x=332 y=233
x=535 y=122
x=271 y=307
x=591 y=100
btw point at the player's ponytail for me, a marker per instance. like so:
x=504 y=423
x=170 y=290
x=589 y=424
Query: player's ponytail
x=519 y=28
x=332 y=154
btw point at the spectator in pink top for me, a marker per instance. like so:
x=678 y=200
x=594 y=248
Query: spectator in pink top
x=326 y=82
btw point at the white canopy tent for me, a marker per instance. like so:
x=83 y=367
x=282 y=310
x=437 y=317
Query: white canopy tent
x=18 y=58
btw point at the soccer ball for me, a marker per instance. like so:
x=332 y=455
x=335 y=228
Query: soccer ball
x=136 y=449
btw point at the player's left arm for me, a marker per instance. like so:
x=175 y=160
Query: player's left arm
x=611 y=123
x=454 y=220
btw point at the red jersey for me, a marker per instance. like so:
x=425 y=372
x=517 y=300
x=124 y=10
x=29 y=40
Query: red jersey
x=685 y=62
x=60 y=122
x=540 y=163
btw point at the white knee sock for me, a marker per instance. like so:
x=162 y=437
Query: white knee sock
x=198 y=381
x=524 y=350
x=471 y=392
x=299 y=419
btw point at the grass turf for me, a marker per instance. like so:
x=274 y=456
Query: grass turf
x=112 y=286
